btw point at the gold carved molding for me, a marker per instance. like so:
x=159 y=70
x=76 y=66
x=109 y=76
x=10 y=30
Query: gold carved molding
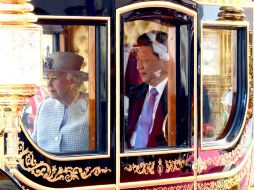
x=225 y=2
x=231 y=13
x=177 y=164
x=251 y=85
x=54 y=173
x=149 y=168
x=16 y=12
x=226 y=158
x=227 y=183
x=175 y=187
x=142 y=168
x=220 y=184
x=174 y=165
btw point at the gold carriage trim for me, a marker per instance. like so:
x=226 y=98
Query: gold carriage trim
x=226 y=158
x=175 y=187
x=174 y=165
x=220 y=184
x=227 y=183
x=236 y=2
x=53 y=173
x=149 y=168
x=142 y=168
x=251 y=85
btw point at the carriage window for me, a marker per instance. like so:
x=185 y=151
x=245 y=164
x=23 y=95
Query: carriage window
x=68 y=114
x=223 y=60
x=157 y=83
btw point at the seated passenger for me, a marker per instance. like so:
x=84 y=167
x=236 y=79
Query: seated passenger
x=148 y=101
x=61 y=124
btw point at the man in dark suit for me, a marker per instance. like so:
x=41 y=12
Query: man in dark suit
x=148 y=101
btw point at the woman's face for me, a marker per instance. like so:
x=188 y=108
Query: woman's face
x=59 y=86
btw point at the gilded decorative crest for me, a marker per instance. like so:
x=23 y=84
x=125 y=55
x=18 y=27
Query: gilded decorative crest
x=160 y=167
x=54 y=173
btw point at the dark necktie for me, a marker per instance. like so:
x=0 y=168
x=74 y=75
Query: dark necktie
x=145 y=121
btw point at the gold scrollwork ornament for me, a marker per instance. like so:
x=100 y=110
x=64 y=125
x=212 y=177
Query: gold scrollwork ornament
x=174 y=165
x=142 y=168
x=54 y=173
x=226 y=158
x=174 y=187
x=227 y=183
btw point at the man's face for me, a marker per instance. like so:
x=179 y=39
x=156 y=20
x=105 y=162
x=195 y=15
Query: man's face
x=148 y=65
x=58 y=86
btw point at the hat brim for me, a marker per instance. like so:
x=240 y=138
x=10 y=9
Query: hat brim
x=82 y=75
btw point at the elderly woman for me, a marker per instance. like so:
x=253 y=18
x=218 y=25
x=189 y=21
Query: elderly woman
x=61 y=124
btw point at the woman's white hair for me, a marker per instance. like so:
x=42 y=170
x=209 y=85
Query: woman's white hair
x=78 y=81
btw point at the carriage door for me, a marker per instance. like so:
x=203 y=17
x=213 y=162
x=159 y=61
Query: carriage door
x=225 y=123
x=155 y=48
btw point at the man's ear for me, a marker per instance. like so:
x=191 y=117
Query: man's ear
x=165 y=65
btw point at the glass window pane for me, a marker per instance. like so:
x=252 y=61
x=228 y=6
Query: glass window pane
x=156 y=55
x=61 y=117
x=219 y=64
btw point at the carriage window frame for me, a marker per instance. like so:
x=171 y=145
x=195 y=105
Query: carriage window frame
x=232 y=134
x=122 y=151
x=97 y=153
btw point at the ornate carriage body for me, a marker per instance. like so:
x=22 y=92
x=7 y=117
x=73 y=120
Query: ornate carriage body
x=209 y=125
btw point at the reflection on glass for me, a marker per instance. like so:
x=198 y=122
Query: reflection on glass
x=61 y=117
x=150 y=101
x=219 y=50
